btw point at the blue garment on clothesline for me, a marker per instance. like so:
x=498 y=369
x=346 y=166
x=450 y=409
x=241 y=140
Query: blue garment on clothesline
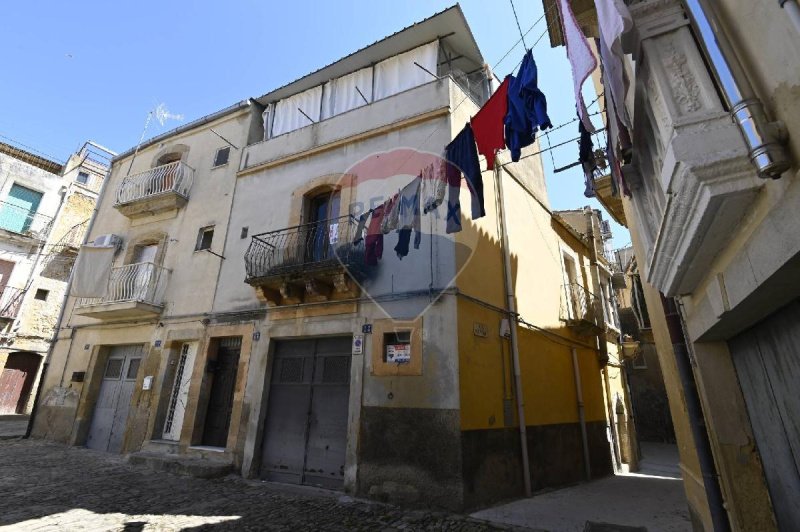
x=527 y=108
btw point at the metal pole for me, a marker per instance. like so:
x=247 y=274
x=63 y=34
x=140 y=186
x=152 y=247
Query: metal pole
x=694 y=411
x=511 y=307
x=763 y=138
x=581 y=414
x=792 y=9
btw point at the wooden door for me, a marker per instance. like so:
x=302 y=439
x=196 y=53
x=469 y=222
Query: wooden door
x=16 y=382
x=220 y=399
x=110 y=417
x=767 y=362
x=305 y=432
x=16 y=214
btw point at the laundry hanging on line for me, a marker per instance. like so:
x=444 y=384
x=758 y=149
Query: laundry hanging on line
x=581 y=58
x=614 y=20
x=527 y=108
x=487 y=124
x=433 y=186
x=462 y=155
x=373 y=242
x=408 y=217
x=587 y=160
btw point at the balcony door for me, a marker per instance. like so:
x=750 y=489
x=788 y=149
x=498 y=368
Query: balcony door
x=324 y=212
x=16 y=215
x=167 y=178
x=144 y=257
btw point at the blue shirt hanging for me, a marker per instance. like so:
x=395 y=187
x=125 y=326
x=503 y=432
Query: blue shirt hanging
x=527 y=108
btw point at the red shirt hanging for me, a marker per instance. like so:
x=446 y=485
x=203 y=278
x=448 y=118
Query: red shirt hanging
x=487 y=125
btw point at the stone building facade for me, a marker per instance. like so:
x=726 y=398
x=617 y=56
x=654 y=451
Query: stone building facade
x=713 y=176
x=44 y=215
x=252 y=337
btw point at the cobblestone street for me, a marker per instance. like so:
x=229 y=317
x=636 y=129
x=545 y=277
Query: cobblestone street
x=47 y=486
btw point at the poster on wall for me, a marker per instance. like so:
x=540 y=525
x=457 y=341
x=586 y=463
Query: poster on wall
x=398 y=353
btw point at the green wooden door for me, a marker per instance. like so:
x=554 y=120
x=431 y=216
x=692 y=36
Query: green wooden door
x=17 y=212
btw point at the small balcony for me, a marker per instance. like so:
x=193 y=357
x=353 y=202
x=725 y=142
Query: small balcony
x=307 y=263
x=160 y=189
x=580 y=310
x=10 y=302
x=134 y=291
x=21 y=221
x=72 y=239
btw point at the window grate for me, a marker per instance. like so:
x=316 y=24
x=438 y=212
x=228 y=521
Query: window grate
x=176 y=388
x=291 y=370
x=133 y=368
x=114 y=368
x=336 y=370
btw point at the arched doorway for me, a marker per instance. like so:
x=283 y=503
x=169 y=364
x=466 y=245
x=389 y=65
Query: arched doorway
x=16 y=382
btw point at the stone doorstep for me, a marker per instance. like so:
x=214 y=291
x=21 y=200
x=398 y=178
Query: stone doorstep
x=182 y=465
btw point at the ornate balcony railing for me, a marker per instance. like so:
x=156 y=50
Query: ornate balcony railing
x=143 y=282
x=174 y=177
x=312 y=247
x=10 y=301
x=579 y=306
x=23 y=221
x=73 y=238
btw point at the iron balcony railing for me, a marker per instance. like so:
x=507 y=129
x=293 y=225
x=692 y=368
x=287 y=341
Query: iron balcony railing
x=143 y=282
x=579 y=305
x=23 y=221
x=174 y=177
x=73 y=238
x=10 y=301
x=306 y=248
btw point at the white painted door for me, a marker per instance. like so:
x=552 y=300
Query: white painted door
x=110 y=418
x=180 y=392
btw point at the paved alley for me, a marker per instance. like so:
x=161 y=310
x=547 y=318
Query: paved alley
x=13 y=426
x=652 y=498
x=48 y=486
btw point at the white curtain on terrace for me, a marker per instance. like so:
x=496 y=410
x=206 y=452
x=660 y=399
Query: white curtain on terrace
x=288 y=117
x=399 y=73
x=341 y=94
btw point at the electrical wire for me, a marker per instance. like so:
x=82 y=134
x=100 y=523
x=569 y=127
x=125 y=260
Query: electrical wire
x=466 y=96
x=522 y=37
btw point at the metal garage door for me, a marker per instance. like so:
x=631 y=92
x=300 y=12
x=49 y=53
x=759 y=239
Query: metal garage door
x=114 y=400
x=767 y=361
x=305 y=433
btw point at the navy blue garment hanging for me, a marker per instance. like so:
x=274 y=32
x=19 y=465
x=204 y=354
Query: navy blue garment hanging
x=586 y=157
x=463 y=155
x=527 y=108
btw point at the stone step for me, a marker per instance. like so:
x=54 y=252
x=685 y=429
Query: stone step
x=161 y=447
x=196 y=467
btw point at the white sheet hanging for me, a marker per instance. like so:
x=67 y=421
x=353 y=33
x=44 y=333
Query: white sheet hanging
x=399 y=73
x=347 y=96
x=288 y=117
x=266 y=118
x=328 y=92
x=92 y=271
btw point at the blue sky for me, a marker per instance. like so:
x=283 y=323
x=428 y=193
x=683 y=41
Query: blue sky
x=75 y=71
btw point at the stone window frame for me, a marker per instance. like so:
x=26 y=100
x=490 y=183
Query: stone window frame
x=299 y=212
x=158 y=238
x=381 y=368
x=181 y=150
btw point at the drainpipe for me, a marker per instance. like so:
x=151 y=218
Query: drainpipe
x=792 y=9
x=694 y=410
x=602 y=340
x=46 y=365
x=581 y=414
x=763 y=138
x=511 y=308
